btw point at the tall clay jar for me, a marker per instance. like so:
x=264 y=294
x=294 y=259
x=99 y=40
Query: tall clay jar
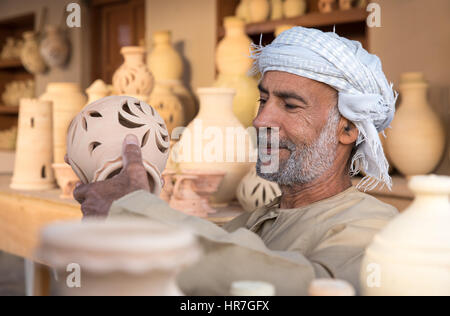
x=416 y=141
x=34 y=152
x=133 y=78
x=67 y=100
x=411 y=255
x=233 y=62
x=207 y=145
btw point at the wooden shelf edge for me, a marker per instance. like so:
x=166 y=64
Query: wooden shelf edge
x=12 y=110
x=10 y=63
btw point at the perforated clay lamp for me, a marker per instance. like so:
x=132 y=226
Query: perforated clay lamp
x=119 y=257
x=411 y=255
x=95 y=139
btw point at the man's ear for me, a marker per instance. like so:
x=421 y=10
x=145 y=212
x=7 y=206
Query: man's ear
x=348 y=133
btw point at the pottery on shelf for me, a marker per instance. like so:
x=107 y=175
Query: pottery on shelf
x=118 y=257
x=16 y=90
x=281 y=28
x=330 y=287
x=259 y=10
x=216 y=141
x=168 y=106
x=133 y=78
x=416 y=141
x=186 y=98
x=54 y=47
x=97 y=90
x=234 y=63
x=276 y=9
x=9 y=49
x=326 y=6
x=67 y=100
x=66 y=179
x=32 y=166
x=95 y=139
x=254 y=191
x=411 y=255
x=345 y=4
x=242 y=11
x=294 y=8
x=30 y=56
x=8 y=138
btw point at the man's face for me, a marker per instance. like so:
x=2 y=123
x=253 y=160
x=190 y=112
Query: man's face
x=306 y=115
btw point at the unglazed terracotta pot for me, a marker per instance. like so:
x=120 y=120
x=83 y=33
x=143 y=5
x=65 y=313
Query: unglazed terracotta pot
x=330 y=287
x=168 y=106
x=133 y=78
x=186 y=98
x=416 y=141
x=253 y=191
x=280 y=29
x=204 y=144
x=164 y=61
x=95 y=139
x=32 y=167
x=66 y=179
x=30 y=55
x=97 y=90
x=326 y=6
x=54 y=47
x=276 y=9
x=345 y=4
x=259 y=10
x=411 y=255
x=67 y=100
x=294 y=8
x=242 y=11
x=119 y=257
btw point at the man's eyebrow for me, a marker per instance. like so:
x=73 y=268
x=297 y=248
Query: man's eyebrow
x=262 y=89
x=290 y=95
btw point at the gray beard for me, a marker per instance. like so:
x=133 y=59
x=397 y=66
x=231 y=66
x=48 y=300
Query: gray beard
x=308 y=162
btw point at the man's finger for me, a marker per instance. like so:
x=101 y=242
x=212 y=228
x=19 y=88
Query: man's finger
x=80 y=191
x=131 y=152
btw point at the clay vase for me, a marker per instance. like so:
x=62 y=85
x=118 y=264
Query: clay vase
x=326 y=6
x=206 y=144
x=30 y=56
x=186 y=98
x=345 y=4
x=66 y=179
x=276 y=9
x=281 y=28
x=253 y=191
x=330 y=287
x=119 y=257
x=54 y=47
x=259 y=10
x=233 y=62
x=67 y=100
x=294 y=8
x=242 y=11
x=416 y=141
x=411 y=255
x=97 y=90
x=32 y=167
x=133 y=78
x=95 y=139
x=168 y=106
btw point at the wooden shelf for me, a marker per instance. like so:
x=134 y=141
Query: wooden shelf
x=10 y=63
x=313 y=19
x=9 y=109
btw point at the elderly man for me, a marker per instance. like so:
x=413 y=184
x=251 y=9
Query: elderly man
x=328 y=99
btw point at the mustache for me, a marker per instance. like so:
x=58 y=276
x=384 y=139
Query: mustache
x=282 y=143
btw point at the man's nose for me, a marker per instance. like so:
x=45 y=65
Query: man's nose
x=267 y=117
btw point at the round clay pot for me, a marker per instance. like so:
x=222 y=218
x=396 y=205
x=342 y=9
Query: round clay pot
x=326 y=6
x=294 y=8
x=54 y=47
x=276 y=9
x=259 y=10
x=30 y=56
x=95 y=139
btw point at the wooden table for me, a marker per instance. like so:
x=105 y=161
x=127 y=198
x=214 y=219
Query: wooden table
x=24 y=213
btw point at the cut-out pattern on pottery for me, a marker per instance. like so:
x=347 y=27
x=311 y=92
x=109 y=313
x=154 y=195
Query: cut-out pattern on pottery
x=119 y=256
x=416 y=141
x=411 y=255
x=32 y=166
x=67 y=100
x=133 y=78
x=54 y=47
x=253 y=191
x=30 y=56
x=95 y=139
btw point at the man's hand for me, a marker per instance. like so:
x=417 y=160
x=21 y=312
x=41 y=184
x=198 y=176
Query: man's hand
x=96 y=198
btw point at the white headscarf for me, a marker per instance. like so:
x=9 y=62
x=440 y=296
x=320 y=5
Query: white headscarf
x=365 y=96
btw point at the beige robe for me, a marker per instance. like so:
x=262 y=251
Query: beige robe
x=286 y=247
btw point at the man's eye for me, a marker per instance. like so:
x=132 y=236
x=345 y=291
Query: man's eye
x=262 y=101
x=290 y=106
